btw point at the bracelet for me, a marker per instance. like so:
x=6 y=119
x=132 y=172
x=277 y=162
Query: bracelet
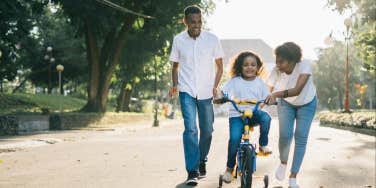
x=285 y=93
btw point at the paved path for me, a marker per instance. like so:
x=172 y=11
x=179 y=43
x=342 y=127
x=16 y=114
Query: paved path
x=144 y=157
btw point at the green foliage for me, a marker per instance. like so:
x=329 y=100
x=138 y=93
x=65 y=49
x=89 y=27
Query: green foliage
x=364 y=27
x=17 y=19
x=329 y=75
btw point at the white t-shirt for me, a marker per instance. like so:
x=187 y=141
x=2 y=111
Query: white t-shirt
x=282 y=81
x=238 y=88
x=196 y=60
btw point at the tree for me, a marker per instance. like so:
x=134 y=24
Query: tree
x=106 y=31
x=364 y=28
x=329 y=75
x=17 y=19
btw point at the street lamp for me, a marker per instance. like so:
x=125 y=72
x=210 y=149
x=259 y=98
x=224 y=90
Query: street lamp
x=49 y=59
x=156 y=122
x=60 y=68
x=348 y=24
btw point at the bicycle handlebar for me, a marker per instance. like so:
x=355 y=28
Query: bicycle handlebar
x=235 y=103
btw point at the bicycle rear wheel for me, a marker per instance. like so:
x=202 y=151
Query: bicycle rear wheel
x=246 y=175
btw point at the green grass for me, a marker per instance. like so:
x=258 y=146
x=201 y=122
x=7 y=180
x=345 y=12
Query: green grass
x=29 y=103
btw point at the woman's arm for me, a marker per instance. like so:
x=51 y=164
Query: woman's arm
x=302 y=80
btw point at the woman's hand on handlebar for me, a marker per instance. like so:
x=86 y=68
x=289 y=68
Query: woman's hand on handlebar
x=271 y=99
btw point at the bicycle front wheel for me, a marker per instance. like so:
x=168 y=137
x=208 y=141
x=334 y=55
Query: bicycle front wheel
x=246 y=175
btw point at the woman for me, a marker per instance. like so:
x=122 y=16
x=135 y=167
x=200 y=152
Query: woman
x=291 y=81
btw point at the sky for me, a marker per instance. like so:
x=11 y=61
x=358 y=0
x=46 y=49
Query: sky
x=305 y=22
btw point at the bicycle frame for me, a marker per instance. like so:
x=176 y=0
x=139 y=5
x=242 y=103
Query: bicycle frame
x=247 y=115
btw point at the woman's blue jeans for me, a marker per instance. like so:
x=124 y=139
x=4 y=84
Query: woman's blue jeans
x=196 y=151
x=237 y=129
x=287 y=115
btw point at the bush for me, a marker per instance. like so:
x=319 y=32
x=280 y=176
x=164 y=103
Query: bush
x=355 y=119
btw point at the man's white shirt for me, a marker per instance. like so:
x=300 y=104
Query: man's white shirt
x=196 y=58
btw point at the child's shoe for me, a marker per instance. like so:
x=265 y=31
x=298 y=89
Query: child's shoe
x=292 y=183
x=265 y=150
x=280 y=172
x=227 y=176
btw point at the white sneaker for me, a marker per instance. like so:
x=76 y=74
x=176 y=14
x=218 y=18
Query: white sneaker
x=292 y=183
x=280 y=172
x=227 y=176
x=266 y=149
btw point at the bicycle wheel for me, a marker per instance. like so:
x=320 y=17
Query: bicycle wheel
x=246 y=175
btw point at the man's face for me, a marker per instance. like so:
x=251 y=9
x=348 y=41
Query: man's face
x=194 y=23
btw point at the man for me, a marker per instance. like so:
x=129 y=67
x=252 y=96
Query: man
x=194 y=53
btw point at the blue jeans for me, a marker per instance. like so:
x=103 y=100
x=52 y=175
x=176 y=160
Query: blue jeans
x=287 y=115
x=237 y=129
x=196 y=151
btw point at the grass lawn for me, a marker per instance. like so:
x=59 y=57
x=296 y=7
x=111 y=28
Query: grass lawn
x=29 y=103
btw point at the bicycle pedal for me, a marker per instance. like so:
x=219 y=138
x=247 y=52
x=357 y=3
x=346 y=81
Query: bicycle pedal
x=262 y=154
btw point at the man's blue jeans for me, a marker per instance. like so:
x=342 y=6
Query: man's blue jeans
x=237 y=129
x=287 y=115
x=196 y=151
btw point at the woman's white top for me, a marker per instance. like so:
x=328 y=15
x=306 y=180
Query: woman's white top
x=282 y=81
x=238 y=88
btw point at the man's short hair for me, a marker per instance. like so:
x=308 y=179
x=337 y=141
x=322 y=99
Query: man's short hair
x=192 y=9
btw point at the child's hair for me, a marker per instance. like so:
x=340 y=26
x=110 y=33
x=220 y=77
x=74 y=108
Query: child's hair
x=237 y=64
x=289 y=51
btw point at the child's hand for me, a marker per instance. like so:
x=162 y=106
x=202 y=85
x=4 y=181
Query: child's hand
x=173 y=91
x=270 y=100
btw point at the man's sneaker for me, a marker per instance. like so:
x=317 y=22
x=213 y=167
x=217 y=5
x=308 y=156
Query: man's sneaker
x=227 y=176
x=202 y=170
x=192 y=179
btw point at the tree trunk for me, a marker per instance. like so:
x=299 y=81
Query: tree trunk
x=92 y=104
x=340 y=100
x=19 y=86
x=1 y=86
x=121 y=97
x=127 y=101
x=102 y=66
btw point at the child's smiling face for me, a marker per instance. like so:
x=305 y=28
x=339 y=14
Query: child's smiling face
x=249 y=68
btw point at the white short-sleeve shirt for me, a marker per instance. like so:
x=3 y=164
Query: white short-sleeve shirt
x=238 y=88
x=282 y=81
x=196 y=58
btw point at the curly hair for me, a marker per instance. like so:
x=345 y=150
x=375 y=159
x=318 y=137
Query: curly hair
x=237 y=64
x=289 y=51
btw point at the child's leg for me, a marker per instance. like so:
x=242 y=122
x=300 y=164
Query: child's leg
x=264 y=120
x=236 y=131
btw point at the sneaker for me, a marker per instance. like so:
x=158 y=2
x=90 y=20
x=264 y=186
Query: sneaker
x=280 y=172
x=265 y=150
x=227 y=176
x=192 y=179
x=292 y=183
x=202 y=170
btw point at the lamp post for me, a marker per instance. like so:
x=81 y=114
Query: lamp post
x=348 y=24
x=60 y=68
x=49 y=59
x=156 y=122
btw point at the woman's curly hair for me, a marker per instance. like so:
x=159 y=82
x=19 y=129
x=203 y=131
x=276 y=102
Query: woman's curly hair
x=237 y=64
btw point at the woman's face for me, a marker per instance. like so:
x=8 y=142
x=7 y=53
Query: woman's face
x=249 y=68
x=282 y=64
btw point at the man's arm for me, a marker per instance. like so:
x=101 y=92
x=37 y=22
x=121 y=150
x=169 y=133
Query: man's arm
x=174 y=74
x=218 y=75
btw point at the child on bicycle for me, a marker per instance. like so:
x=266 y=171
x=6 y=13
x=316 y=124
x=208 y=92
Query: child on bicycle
x=245 y=84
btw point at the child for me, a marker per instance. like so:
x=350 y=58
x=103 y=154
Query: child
x=245 y=85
